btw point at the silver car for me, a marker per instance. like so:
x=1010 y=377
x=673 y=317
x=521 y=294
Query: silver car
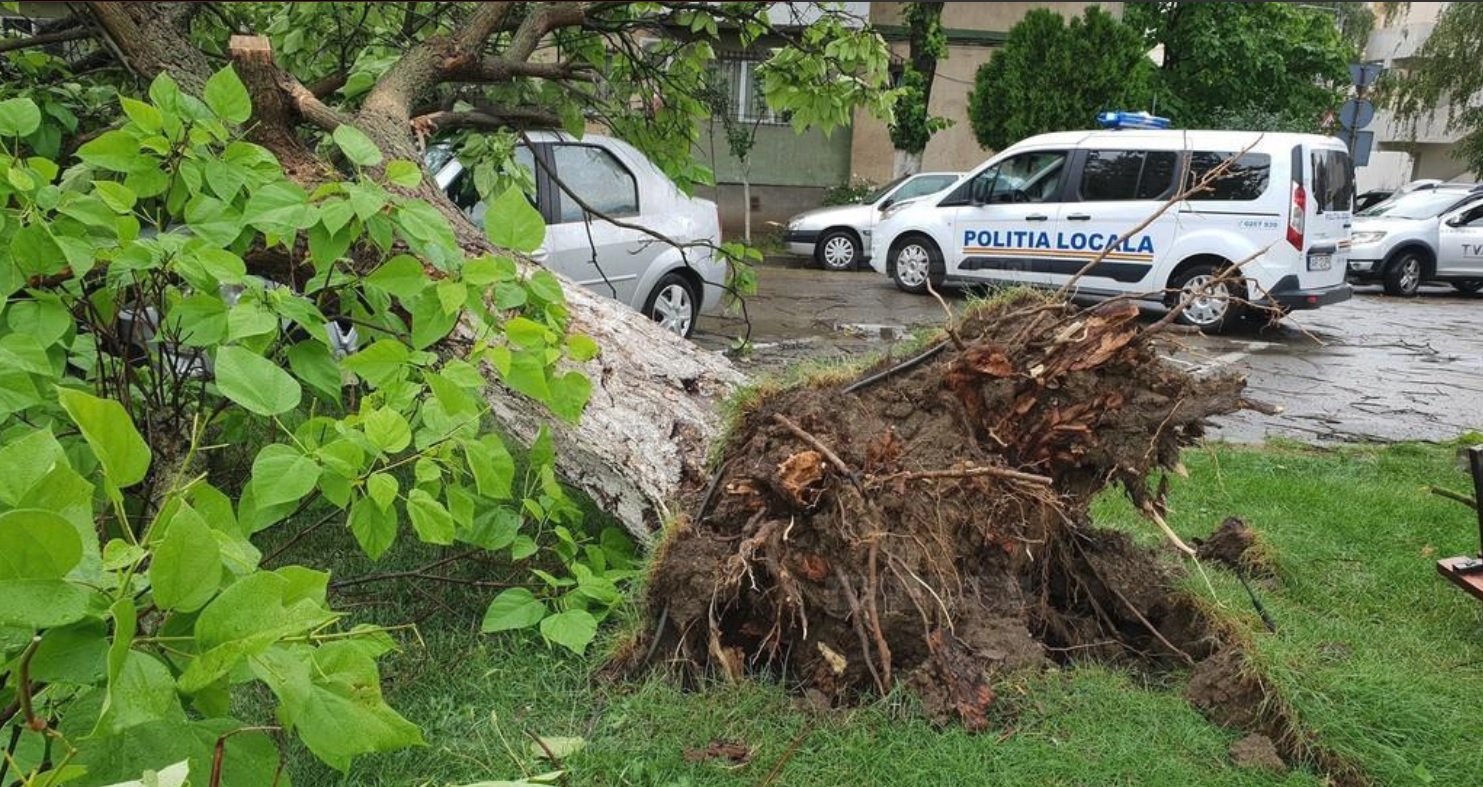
x=839 y=236
x=1431 y=233
x=619 y=261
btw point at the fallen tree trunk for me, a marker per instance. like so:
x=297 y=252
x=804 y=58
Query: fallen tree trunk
x=653 y=411
x=934 y=526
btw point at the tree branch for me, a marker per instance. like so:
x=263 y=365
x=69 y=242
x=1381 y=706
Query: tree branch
x=481 y=25
x=500 y=69
x=43 y=39
x=492 y=118
x=323 y=87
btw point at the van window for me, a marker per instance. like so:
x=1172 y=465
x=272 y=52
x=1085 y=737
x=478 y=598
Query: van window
x=1028 y=177
x=1112 y=175
x=1244 y=181
x=1333 y=180
x=922 y=186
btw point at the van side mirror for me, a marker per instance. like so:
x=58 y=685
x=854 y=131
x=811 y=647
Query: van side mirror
x=1455 y=221
x=886 y=203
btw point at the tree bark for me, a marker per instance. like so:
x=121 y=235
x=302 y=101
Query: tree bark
x=653 y=413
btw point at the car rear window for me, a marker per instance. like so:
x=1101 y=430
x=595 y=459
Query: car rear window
x=1244 y=181
x=1111 y=175
x=1333 y=180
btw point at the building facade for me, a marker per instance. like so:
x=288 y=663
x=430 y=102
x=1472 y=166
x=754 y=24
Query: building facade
x=1401 y=153
x=788 y=173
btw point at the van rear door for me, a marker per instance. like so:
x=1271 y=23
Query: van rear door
x=1329 y=212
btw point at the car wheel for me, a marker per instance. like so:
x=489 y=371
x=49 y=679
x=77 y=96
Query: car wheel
x=674 y=304
x=914 y=263
x=1402 y=276
x=838 y=251
x=1468 y=286
x=1209 y=304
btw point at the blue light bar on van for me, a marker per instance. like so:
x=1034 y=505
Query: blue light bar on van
x=1115 y=120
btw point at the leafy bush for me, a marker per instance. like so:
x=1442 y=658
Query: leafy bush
x=852 y=193
x=133 y=603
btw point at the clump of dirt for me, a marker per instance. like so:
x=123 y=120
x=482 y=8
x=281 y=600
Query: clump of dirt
x=1257 y=752
x=931 y=526
x=1233 y=545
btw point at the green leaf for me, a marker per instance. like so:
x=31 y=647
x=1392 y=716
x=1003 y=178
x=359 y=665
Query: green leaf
x=332 y=697
x=41 y=603
x=430 y=323
x=116 y=196
x=142 y=691
x=37 y=544
x=492 y=466
x=315 y=365
x=356 y=145
x=401 y=276
x=486 y=270
x=526 y=333
x=528 y=375
x=523 y=547
x=227 y=96
x=421 y=221
x=281 y=208
x=514 y=608
x=144 y=114
x=573 y=629
x=255 y=382
x=403 y=173
x=556 y=747
x=374 y=527
x=569 y=395
x=113 y=150
x=388 y=430
x=381 y=363
x=581 y=347
x=72 y=654
x=25 y=461
x=429 y=518
x=280 y=474
x=19 y=117
x=513 y=223
x=244 y=620
x=110 y=432
x=383 y=489
x=199 y=320
x=452 y=295
x=543 y=285
x=186 y=569
x=212 y=220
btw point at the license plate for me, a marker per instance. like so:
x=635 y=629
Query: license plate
x=1320 y=262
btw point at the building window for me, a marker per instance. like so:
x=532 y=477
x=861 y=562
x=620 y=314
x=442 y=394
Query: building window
x=740 y=88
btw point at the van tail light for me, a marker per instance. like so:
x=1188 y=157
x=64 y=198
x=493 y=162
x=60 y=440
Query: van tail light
x=1296 y=216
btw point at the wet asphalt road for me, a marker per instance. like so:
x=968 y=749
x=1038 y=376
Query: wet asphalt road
x=1371 y=369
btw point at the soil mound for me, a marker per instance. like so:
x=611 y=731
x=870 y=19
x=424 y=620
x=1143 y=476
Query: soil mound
x=929 y=523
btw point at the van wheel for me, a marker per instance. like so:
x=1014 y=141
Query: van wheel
x=914 y=263
x=1468 y=286
x=1402 y=276
x=838 y=251
x=674 y=304
x=1209 y=304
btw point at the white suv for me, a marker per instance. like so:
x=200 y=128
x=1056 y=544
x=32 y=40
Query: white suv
x=671 y=285
x=1432 y=233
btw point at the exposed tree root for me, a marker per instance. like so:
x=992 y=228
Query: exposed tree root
x=933 y=528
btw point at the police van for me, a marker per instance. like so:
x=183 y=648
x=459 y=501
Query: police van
x=1042 y=210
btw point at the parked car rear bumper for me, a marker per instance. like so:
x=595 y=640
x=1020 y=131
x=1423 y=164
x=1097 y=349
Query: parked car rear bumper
x=1289 y=295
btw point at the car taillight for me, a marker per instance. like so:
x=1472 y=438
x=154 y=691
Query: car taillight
x=1296 y=216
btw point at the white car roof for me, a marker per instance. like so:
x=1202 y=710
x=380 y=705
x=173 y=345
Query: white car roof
x=1208 y=139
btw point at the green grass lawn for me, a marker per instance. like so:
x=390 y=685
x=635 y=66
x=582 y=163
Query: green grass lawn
x=1378 y=656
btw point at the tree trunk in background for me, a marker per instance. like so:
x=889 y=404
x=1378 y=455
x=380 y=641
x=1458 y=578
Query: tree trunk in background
x=654 y=407
x=907 y=163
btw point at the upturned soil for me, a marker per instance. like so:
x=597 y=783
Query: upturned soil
x=930 y=525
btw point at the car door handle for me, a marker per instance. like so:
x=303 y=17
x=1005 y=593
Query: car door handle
x=1078 y=217
x=540 y=256
x=1037 y=217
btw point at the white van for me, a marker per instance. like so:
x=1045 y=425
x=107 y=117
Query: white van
x=1041 y=210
